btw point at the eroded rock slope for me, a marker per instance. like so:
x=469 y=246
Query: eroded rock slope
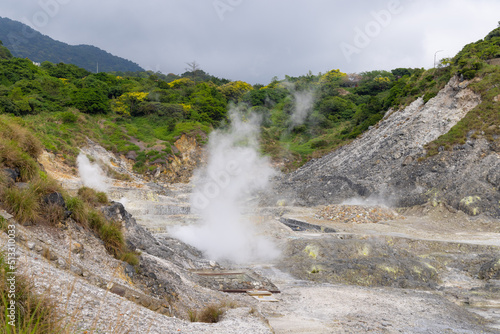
x=387 y=162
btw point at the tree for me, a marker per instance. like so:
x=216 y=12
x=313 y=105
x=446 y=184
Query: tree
x=90 y=100
x=337 y=108
x=193 y=67
x=4 y=52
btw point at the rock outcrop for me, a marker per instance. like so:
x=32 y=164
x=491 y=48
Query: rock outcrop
x=180 y=167
x=389 y=162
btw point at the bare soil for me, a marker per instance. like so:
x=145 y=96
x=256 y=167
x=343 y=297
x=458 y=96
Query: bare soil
x=456 y=243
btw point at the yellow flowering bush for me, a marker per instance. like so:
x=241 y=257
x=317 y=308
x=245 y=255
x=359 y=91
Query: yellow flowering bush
x=332 y=75
x=234 y=90
x=180 y=83
x=126 y=102
x=382 y=80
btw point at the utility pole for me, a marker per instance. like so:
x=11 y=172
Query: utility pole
x=435 y=57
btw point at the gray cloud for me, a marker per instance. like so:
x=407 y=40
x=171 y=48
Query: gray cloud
x=255 y=40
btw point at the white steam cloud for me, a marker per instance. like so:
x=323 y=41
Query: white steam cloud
x=223 y=190
x=304 y=101
x=91 y=174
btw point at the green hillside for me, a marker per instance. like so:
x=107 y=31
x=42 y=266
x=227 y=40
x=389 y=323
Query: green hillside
x=25 y=42
x=63 y=104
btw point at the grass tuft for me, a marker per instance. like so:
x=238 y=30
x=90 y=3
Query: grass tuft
x=113 y=238
x=33 y=313
x=12 y=156
x=79 y=211
x=95 y=220
x=211 y=313
x=130 y=257
x=23 y=204
x=92 y=197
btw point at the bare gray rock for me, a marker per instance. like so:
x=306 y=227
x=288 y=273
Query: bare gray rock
x=384 y=162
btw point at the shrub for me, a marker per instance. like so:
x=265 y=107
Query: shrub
x=319 y=143
x=470 y=74
x=68 y=117
x=91 y=101
x=429 y=95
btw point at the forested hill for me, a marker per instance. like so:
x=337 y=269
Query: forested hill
x=24 y=42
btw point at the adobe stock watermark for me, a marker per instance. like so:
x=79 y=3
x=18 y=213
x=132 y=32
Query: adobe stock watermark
x=223 y=6
x=48 y=9
x=372 y=29
x=10 y=275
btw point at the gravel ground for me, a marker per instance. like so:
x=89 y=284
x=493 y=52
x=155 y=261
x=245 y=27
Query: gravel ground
x=324 y=308
x=356 y=214
x=90 y=308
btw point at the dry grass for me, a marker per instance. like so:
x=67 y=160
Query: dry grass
x=110 y=172
x=25 y=139
x=211 y=313
x=3 y=181
x=19 y=149
x=53 y=214
x=46 y=253
x=44 y=185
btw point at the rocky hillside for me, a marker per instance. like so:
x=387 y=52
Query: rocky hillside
x=391 y=164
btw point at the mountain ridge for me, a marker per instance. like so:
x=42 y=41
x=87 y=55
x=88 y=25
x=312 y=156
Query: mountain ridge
x=25 y=42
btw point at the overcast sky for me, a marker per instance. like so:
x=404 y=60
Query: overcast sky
x=255 y=40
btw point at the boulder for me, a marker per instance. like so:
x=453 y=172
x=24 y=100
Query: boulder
x=490 y=270
x=55 y=198
x=131 y=155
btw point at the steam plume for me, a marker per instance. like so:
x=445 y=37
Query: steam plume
x=91 y=174
x=303 y=106
x=223 y=189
